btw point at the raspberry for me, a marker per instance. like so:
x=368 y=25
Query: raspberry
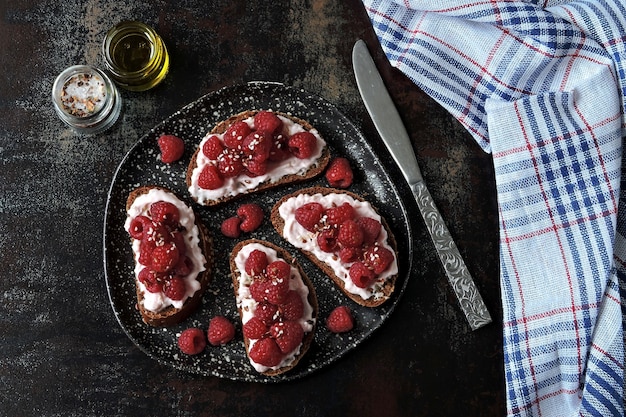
x=266 y=312
x=309 y=215
x=371 y=229
x=165 y=212
x=288 y=335
x=157 y=234
x=251 y=216
x=150 y=280
x=257 y=145
x=292 y=307
x=175 y=288
x=266 y=121
x=273 y=292
x=254 y=328
x=235 y=134
x=192 y=341
x=340 y=320
x=339 y=173
x=210 y=178
x=266 y=352
x=230 y=227
x=221 y=331
x=179 y=240
x=255 y=168
x=172 y=148
x=361 y=275
x=256 y=263
x=302 y=145
x=339 y=214
x=327 y=240
x=164 y=257
x=229 y=163
x=183 y=267
x=378 y=258
x=146 y=246
x=349 y=254
x=213 y=147
x=279 y=271
x=350 y=234
x=137 y=226
x=280 y=149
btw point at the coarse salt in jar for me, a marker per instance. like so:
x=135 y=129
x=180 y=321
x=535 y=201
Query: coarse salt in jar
x=135 y=56
x=86 y=99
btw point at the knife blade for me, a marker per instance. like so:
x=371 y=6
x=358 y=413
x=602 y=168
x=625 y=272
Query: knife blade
x=390 y=127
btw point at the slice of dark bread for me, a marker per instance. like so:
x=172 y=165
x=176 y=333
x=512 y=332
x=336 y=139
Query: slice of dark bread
x=171 y=315
x=386 y=289
x=221 y=128
x=236 y=275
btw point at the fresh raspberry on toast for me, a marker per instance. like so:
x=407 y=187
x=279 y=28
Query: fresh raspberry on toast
x=277 y=305
x=253 y=151
x=343 y=235
x=173 y=254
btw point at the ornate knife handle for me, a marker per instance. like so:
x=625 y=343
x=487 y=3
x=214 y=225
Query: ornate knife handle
x=459 y=277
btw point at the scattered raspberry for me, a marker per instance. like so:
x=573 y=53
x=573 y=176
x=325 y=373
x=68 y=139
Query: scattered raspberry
x=339 y=214
x=288 y=335
x=230 y=227
x=210 y=178
x=251 y=216
x=350 y=234
x=175 y=288
x=221 y=331
x=254 y=328
x=257 y=145
x=229 y=163
x=340 y=320
x=164 y=258
x=292 y=307
x=213 y=147
x=164 y=212
x=137 y=226
x=172 y=148
x=192 y=341
x=235 y=134
x=339 y=173
x=327 y=240
x=256 y=263
x=266 y=121
x=378 y=258
x=371 y=229
x=309 y=215
x=302 y=145
x=361 y=275
x=266 y=352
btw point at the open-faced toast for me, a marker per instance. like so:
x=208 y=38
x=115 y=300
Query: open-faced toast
x=173 y=255
x=277 y=305
x=253 y=151
x=344 y=236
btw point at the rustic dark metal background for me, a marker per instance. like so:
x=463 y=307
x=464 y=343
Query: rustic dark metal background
x=62 y=351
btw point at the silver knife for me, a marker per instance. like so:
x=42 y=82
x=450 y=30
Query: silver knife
x=391 y=129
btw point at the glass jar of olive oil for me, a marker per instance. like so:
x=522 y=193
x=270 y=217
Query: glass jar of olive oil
x=135 y=56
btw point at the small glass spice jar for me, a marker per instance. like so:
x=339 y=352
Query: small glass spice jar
x=86 y=99
x=135 y=56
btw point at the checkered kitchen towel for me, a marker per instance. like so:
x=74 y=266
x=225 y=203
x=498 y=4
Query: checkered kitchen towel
x=542 y=86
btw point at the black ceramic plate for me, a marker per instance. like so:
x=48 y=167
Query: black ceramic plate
x=142 y=166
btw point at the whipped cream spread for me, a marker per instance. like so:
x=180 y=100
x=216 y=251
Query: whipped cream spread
x=304 y=239
x=243 y=183
x=248 y=305
x=156 y=302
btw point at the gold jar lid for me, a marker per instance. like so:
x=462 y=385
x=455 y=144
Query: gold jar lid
x=135 y=56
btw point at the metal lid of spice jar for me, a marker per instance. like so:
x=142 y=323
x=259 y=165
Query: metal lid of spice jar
x=135 y=56
x=86 y=99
